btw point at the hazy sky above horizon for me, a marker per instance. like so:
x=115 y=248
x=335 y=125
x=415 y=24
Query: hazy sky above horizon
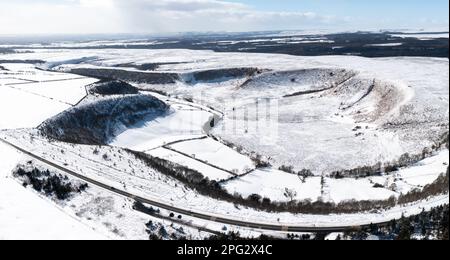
x=160 y=16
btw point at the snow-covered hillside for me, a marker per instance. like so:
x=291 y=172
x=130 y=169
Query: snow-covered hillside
x=317 y=102
x=25 y=216
x=274 y=139
x=100 y=121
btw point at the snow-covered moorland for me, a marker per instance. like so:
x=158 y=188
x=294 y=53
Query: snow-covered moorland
x=259 y=129
x=362 y=108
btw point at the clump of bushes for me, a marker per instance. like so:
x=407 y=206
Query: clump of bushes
x=157 y=231
x=305 y=173
x=236 y=236
x=147 y=210
x=51 y=185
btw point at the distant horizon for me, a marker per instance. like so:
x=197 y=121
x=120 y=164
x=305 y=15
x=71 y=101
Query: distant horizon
x=145 y=17
x=181 y=33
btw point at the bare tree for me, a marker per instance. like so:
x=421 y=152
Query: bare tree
x=291 y=194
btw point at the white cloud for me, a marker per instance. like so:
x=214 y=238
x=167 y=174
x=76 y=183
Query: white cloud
x=210 y=15
x=153 y=16
x=34 y=17
x=96 y=3
x=179 y=5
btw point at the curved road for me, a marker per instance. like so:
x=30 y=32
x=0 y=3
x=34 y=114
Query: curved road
x=269 y=227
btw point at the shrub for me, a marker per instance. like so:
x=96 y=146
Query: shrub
x=49 y=184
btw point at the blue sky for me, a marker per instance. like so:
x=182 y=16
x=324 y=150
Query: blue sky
x=159 y=16
x=354 y=7
x=399 y=12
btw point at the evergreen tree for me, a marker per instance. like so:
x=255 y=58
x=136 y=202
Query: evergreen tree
x=405 y=229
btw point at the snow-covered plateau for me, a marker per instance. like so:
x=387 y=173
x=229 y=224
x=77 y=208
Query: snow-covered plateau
x=270 y=139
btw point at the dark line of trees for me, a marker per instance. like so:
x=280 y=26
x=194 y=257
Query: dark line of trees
x=213 y=189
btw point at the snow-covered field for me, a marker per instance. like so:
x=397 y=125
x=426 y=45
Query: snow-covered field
x=9 y=80
x=181 y=123
x=277 y=185
x=30 y=72
x=338 y=190
x=426 y=171
x=422 y=36
x=29 y=110
x=66 y=91
x=36 y=95
x=213 y=152
x=23 y=215
x=274 y=185
x=206 y=170
x=385 y=44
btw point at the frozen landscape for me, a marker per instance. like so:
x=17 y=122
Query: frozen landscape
x=113 y=142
